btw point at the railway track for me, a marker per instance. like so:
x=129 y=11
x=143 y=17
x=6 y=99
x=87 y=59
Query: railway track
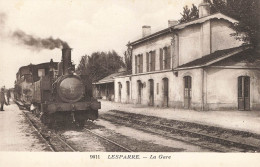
x=108 y=140
x=213 y=143
x=54 y=142
x=51 y=139
x=39 y=133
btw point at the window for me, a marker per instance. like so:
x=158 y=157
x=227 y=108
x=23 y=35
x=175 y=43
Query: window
x=139 y=63
x=153 y=60
x=161 y=59
x=41 y=72
x=147 y=62
x=165 y=58
x=136 y=64
x=150 y=61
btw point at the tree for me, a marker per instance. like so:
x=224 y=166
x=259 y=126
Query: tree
x=245 y=11
x=128 y=58
x=189 y=14
x=99 y=64
x=82 y=67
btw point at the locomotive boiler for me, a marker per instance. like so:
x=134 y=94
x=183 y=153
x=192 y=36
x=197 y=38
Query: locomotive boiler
x=64 y=97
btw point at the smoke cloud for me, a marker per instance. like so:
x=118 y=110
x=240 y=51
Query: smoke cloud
x=2 y=23
x=33 y=42
x=38 y=43
x=2 y=19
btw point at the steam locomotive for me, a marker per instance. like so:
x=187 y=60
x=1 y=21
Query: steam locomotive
x=61 y=96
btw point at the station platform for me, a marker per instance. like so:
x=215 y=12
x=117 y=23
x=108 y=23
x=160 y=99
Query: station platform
x=248 y=121
x=16 y=133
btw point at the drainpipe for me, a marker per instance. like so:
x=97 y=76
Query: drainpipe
x=130 y=78
x=202 y=89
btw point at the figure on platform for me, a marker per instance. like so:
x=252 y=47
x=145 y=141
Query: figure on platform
x=2 y=99
x=8 y=95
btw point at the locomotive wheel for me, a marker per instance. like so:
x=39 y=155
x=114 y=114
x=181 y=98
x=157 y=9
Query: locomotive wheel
x=93 y=115
x=47 y=120
x=43 y=118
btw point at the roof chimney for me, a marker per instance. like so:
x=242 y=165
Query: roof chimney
x=146 y=30
x=204 y=9
x=172 y=23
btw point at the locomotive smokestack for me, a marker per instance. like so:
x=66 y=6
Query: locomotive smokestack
x=66 y=60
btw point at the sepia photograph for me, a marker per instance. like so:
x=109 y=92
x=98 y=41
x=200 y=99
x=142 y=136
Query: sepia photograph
x=119 y=81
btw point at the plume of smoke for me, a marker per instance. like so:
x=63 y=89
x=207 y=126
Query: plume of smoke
x=38 y=43
x=2 y=23
x=2 y=19
x=33 y=42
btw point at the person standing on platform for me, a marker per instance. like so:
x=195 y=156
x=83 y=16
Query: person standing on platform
x=8 y=95
x=2 y=99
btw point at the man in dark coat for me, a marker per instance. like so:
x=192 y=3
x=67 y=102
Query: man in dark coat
x=8 y=95
x=2 y=99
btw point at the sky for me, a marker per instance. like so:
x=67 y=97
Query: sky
x=86 y=25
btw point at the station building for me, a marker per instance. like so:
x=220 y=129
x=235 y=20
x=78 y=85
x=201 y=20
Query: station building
x=194 y=65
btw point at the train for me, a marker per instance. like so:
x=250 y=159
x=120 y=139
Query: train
x=55 y=93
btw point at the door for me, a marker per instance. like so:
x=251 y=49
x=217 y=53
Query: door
x=151 y=93
x=165 y=92
x=139 y=93
x=119 y=91
x=243 y=93
x=187 y=92
x=128 y=90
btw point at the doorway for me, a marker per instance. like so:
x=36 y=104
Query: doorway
x=151 y=92
x=244 y=93
x=165 y=92
x=119 y=91
x=187 y=92
x=139 y=93
x=128 y=91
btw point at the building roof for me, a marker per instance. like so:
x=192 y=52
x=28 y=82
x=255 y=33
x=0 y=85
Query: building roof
x=213 y=57
x=184 y=25
x=110 y=78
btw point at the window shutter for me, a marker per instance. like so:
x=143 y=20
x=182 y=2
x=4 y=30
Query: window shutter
x=168 y=58
x=136 y=64
x=147 y=62
x=141 y=63
x=153 y=61
x=161 y=59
